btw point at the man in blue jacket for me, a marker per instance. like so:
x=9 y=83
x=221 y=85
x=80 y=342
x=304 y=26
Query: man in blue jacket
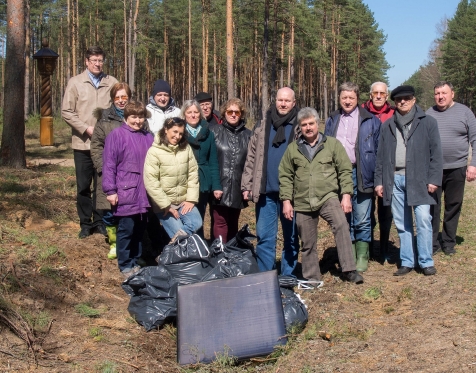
x=358 y=130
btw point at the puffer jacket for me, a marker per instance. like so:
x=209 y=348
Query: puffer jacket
x=205 y=151
x=365 y=148
x=170 y=175
x=123 y=163
x=232 y=147
x=79 y=101
x=158 y=116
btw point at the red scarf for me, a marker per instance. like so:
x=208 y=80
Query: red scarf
x=385 y=112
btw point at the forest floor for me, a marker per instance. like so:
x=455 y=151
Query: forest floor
x=62 y=308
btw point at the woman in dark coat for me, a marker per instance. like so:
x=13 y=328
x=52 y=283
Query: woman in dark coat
x=202 y=142
x=108 y=119
x=231 y=138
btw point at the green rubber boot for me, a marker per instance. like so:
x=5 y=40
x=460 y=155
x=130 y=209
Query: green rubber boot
x=354 y=252
x=111 y=234
x=362 y=253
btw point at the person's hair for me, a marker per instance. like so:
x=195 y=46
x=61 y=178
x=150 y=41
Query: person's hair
x=187 y=105
x=168 y=124
x=349 y=86
x=117 y=87
x=307 y=112
x=374 y=84
x=94 y=51
x=135 y=108
x=443 y=83
x=233 y=101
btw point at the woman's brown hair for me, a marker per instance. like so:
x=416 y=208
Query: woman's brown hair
x=135 y=108
x=117 y=87
x=233 y=101
x=168 y=124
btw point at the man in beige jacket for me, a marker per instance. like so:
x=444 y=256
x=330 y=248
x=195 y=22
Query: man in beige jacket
x=84 y=93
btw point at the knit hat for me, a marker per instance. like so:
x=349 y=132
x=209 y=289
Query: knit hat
x=161 y=86
x=203 y=96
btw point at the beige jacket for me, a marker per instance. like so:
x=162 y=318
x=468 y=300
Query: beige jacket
x=79 y=101
x=170 y=175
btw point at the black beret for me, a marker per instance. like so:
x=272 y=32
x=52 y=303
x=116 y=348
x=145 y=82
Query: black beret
x=402 y=90
x=203 y=96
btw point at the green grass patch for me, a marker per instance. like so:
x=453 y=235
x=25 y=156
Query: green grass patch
x=373 y=293
x=85 y=310
x=106 y=367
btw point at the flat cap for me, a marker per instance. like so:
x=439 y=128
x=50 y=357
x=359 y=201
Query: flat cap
x=203 y=96
x=402 y=90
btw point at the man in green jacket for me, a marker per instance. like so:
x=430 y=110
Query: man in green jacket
x=313 y=172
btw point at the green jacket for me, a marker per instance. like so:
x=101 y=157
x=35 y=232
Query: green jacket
x=308 y=183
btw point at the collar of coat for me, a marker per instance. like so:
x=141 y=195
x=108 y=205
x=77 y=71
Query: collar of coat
x=363 y=114
x=419 y=114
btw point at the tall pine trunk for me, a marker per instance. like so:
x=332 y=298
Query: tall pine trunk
x=229 y=49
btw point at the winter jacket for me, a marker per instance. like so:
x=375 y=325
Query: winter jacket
x=384 y=113
x=170 y=175
x=253 y=171
x=123 y=164
x=158 y=116
x=80 y=99
x=232 y=147
x=205 y=151
x=214 y=118
x=424 y=159
x=365 y=147
x=309 y=183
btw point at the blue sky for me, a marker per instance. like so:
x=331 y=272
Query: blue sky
x=411 y=27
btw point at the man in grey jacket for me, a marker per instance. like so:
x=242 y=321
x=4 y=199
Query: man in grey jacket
x=457 y=127
x=84 y=93
x=408 y=172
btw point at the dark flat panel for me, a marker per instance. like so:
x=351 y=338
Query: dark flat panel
x=242 y=314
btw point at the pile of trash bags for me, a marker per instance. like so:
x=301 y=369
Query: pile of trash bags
x=189 y=260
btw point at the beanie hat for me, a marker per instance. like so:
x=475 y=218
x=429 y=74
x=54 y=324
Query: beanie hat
x=161 y=86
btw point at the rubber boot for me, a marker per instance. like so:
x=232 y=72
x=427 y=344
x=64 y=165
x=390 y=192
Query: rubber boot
x=362 y=251
x=354 y=252
x=111 y=234
x=384 y=237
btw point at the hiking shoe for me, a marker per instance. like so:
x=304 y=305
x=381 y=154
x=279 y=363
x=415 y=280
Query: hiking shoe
x=101 y=229
x=112 y=252
x=129 y=272
x=85 y=232
x=353 y=276
x=402 y=271
x=449 y=251
x=429 y=271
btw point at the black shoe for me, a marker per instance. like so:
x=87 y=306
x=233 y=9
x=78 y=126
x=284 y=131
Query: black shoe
x=429 y=271
x=353 y=276
x=85 y=232
x=101 y=229
x=402 y=271
x=436 y=250
x=449 y=251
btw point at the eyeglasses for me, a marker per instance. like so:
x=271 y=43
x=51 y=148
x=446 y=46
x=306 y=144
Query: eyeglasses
x=376 y=94
x=205 y=104
x=402 y=98
x=231 y=112
x=121 y=98
x=100 y=62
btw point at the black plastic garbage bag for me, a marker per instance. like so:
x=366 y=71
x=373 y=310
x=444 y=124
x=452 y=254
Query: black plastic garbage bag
x=187 y=259
x=153 y=293
x=242 y=244
x=295 y=312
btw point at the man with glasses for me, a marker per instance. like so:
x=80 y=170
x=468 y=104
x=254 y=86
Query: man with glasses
x=381 y=108
x=408 y=172
x=260 y=182
x=206 y=104
x=84 y=93
x=358 y=131
x=457 y=127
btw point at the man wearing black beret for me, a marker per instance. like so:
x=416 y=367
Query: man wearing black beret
x=206 y=104
x=408 y=172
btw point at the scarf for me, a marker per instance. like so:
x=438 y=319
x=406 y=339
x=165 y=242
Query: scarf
x=193 y=131
x=404 y=122
x=119 y=112
x=279 y=122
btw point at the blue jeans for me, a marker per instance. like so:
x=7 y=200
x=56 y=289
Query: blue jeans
x=359 y=219
x=130 y=230
x=189 y=223
x=268 y=209
x=108 y=218
x=402 y=215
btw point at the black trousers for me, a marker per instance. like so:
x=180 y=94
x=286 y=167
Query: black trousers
x=89 y=217
x=453 y=188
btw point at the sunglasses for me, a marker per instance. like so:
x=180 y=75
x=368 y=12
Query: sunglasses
x=375 y=94
x=231 y=112
x=402 y=98
x=121 y=98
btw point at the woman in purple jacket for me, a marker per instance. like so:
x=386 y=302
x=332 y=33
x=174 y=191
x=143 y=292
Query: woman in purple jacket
x=123 y=163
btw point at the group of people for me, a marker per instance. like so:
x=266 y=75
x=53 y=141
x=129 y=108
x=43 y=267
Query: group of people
x=161 y=163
